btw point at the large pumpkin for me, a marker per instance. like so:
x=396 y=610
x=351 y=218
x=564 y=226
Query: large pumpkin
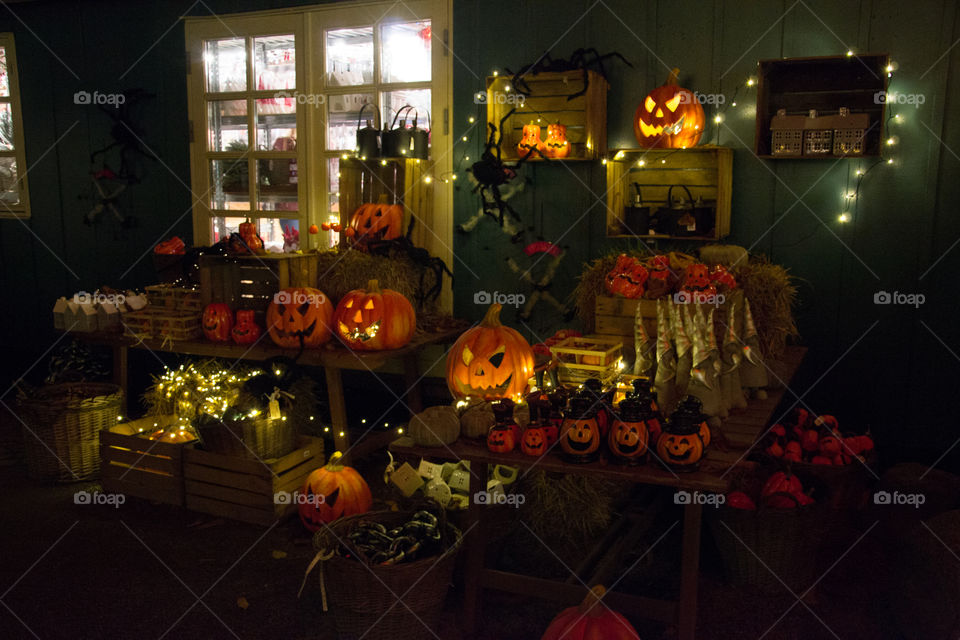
x=591 y=620
x=372 y=319
x=489 y=361
x=333 y=491
x=217 y=322
x=670 y=117
x=300 y=317
x=372 y=222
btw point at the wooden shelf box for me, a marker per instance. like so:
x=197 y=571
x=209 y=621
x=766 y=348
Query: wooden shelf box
x=244 y=489
x=583 y=357
x=585 y=116
x=249 y=282
x=706 y=171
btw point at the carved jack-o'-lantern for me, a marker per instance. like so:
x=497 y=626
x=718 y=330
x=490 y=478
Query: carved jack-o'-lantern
x=627 y=278
x=670 y=117
x=217 y=322
x=680 y=445
x=300 y=317
x=371 y=222
x=534 y=441
x=333 y=491
x=628 y=435
x=580 y=434
x=501 y=439
x=696 y=277
x=489 y=361
x=246 y=331
x=530 y=143
x=556 y=145
x=374 y=319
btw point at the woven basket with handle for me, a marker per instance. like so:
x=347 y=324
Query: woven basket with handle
x=62 y=423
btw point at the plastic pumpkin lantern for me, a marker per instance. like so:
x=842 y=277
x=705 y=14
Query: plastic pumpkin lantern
x=680 y=446
x=372 y=319
x=489 y=361
x=590 y=620
x=530 y=142
x=628 y=438
x=670 y=117
x=246 y=330
x=333 y=491
x=580 y=434
x=534 y=441
x=300 y=317
x=556 y=145
x=372 y=222
x=501 y=439
x=217 y=322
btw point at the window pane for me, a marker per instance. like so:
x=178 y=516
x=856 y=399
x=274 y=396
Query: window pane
x=4 y=78
x=275 y=62
x=225 y=62
x=349 y=57
x=333 y=185
x=6 y=126
x=277 y=124
x=276 y=233
x=419 y=99
x=227 y=125
x=343 y=113
x=277 y=184
x=9 y=187
x=230 y=184
x=405 y=54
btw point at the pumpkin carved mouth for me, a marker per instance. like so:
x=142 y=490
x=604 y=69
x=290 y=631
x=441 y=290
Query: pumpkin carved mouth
x=501 y=389
x=359 y=334
x=628 y=448
x=651 y=130
x=576 y=445
x=283 y=333
x=684 y=456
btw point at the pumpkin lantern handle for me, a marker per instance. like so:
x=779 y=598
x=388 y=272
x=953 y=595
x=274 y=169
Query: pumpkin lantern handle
x=674 y=77
x=591 y=603
x=492 y=318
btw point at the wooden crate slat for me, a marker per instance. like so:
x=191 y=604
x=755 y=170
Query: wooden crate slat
x=140 y=487
x=308 y=450
x=142 y=460
x=250 y=466
x=233 y=495
x=227 y=478
x=234 y=511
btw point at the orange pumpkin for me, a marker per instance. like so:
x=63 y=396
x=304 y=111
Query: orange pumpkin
x=489 y=361
x=217 y=322
x=300 y=317
x=375 y=222
x=248 y=233
x=246 y=330
x=628 y=436
x=580 y=434
x=556 y=144
x=591 y=620
x=534 y=441
x=333 y=491
x=530 y=142
x=372 y=319
x=670 y=117
x=501 y=439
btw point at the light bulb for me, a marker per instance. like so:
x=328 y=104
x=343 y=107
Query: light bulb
x=718 y=118
x=892 y=140
x=495 y=73
x=751 y=81
x=849 y=53
x=844 y=217
x=890 y=161
x=471 y=119
x=427 y=179
x=640 y=163
x=464 y=138
x=859 y=172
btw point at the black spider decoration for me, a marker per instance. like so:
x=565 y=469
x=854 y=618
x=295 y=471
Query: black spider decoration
x=580 y=60
x=420 y=257
x=126 y=134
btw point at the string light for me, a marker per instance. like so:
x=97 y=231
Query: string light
x=471 y=119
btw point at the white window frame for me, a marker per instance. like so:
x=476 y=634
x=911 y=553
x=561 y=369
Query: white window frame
x=22 y=208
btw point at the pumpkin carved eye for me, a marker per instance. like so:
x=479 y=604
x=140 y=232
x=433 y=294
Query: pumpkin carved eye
x=349 y=303
x=467 y=355
x=497 y=358
x=649 y=104
x=302 y=309
x=369 y=304
x=673 y=103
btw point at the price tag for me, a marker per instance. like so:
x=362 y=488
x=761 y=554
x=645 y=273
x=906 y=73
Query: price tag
x=274 y=406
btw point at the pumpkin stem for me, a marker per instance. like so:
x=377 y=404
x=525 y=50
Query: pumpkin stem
x=373 y=286
x=674 y=77
x=492 y=319
x=334 y=464
x=591 y=603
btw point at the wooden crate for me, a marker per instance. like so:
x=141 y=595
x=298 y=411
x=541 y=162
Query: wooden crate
x=160 y=322
x=585 y=116
x=249 y=282
x=174 y=298
x=244 y=489
x=137 y=466
x=706 y=171
x=615 y=317
x=583 y=357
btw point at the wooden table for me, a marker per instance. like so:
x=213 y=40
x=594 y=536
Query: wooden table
x=740 y=431
x=332 y=357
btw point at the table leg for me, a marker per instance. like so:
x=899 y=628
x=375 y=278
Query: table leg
x=411 y=378
x=689 y=571
x=338 y=409
x=475 y=549
x=120 y=377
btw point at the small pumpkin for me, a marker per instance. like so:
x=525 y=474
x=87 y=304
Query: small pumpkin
x=300 y=317
x=534 y=441
x=489 y=361
x=628 y=435
x=580 y=434
x=628 y=277
x=530 y=143
x=501 y=439
x=217 y=322
x=333 y=491
x=476 y=420
x=434 y=426
x=372 y=319
x=680 y=446
x=556 y=145
x=250 y=236
x=372 y=222
x=591 y=620
x=670 y=117
x=246 y=330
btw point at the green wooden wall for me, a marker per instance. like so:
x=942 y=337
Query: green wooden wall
x=890 y=367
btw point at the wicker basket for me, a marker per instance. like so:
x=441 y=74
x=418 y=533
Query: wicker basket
x=256 y=438
x=360 y=596
x=62 y=423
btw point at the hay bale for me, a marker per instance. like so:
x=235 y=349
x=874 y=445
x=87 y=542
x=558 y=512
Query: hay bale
x=341 y=271
x=772 y=295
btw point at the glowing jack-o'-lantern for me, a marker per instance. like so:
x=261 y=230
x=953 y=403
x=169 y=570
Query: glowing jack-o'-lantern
x=217 y=322
x=580 y=435
x=246 y=331
x=530 y=143
x=670 y=117
x=300 y=317
x=374 y=319
x=372 y=222
x=556 y=145
x=333 y=491
x=489 y=361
